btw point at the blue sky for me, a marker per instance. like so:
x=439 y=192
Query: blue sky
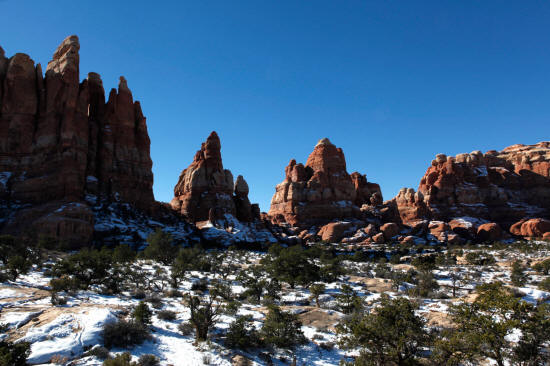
x=391 y=82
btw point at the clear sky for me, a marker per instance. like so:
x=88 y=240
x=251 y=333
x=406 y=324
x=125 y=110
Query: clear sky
x=391 y=82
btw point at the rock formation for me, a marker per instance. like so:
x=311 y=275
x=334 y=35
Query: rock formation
x=501 y=187
x=206 y=191
x=322 y=190
x=62 y=146
x=532 y=228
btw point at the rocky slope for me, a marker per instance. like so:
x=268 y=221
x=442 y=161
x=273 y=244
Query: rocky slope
x=63 y=148
x=322 y=190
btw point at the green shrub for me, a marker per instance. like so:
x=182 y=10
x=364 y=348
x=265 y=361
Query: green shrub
x=545 y=284
x=160 y=247
x=123 y=254
x=479 y=258
x=348 y=300
x=18 y=256
x=518 y=277
x=120 y=360
x=543 y=267
x=99 y=351
x=14 y=354
x=186 y=328
x=155 y=301
x=200 y=286
x=291 y=265
x=188 y=259
x=166 y=315
x=124 y=334
x=204 y=314
x=242 y=334
x=391 y=335
x=87 y=267
x=64 y=283
x=142 y=313
x=282 y=329
x=148 y=360
x=139 y=294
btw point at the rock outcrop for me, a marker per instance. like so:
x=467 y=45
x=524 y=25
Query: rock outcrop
x=206 y=191
x=207 y=196
x=63 y=148
x=501 y=187
x=532 y=228
x=322 y=190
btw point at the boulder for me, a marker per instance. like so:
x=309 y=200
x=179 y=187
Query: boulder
x=439 y=229
x=454 y=239
x=240 y=360
x=515 y=229
x=334 y=231
x=535 y=228
x=389 y=230
x=408 y=240
x=463 y=228
x=489 y=232
x=379 y=238
x=370 y=230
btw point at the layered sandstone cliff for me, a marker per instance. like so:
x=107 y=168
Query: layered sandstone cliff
x=498 y=186
x=322 y=190
x=63 y=148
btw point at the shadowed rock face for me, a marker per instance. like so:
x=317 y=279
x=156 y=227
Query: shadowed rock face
x=502 y=187
x=206 y=191
x=60 y=142
x=322 y=190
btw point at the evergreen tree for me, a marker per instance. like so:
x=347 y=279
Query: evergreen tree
x=391 y=335
x=142 y=313
x=160 y=247
x=282 y=329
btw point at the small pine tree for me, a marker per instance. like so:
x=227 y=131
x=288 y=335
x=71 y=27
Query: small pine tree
x=204 y=315
x=518 y=276
x=316 y=290
x=282 y=329
x=242 y=334
x=124 y=359
x=160 y=247
x=14 y=354
x=391 y=335
x=348 y=300
x=142 y=313
x=123 y=254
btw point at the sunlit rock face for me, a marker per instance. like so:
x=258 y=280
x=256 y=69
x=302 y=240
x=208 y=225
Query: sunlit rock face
x=498 y=186
x=322 y=190
x=61 y=143
x=206 y=191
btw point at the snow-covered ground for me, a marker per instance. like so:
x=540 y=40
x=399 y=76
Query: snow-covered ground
x=68 y=331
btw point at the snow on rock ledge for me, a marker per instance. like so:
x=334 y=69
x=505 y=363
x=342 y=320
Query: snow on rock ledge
x=67 y=335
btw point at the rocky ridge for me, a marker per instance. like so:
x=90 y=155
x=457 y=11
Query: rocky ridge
x=476 y=196
x=500 y=187
x=76 y=166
